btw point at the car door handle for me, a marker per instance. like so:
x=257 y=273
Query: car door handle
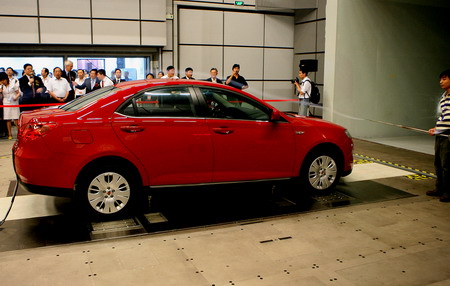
x=223 y=130
x=132 y=128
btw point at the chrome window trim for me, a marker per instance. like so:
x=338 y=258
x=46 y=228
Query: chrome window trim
x=248 y=120
x=156 y=117
x=205 y=118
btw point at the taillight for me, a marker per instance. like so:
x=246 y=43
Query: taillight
x=36 y=129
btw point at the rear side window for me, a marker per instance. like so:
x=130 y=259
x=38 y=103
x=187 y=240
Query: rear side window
x=81 y=102
x=163 y=102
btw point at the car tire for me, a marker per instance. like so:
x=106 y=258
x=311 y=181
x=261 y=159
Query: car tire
x=320 y=172
x=109 y=192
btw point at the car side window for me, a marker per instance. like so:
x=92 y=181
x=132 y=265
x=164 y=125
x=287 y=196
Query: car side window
x=228 y=105
x=162 y=102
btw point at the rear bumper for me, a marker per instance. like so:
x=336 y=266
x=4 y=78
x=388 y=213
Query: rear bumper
x=50 y=191
x=39 y=169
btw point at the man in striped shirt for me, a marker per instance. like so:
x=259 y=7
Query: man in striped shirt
x=442 y=145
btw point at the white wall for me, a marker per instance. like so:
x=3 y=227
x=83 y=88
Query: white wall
x=263 y=45
x=112 y=22
x=382 y=63
x=309 y=43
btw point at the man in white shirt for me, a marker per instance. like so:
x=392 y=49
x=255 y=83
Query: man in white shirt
x=104 y=80
x=70 y=76
x=59 y=87
x=304 y=92
x=45 y=76
x=79 y=81
x=170 y=73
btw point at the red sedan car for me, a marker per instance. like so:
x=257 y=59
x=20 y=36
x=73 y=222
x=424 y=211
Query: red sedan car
x=109 y=146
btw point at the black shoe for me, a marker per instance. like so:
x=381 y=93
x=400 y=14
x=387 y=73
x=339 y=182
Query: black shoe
x=434 y=193
x=445 y=199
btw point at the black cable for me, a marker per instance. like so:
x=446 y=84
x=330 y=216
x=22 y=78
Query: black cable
x=16 y=187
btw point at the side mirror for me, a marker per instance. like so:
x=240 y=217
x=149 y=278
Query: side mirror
x=275 y=115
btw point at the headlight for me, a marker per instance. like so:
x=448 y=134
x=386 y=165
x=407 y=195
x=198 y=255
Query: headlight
x=348 y=134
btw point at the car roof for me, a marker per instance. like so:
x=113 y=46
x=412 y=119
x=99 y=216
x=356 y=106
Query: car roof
x=147 y=83
x=150 y=82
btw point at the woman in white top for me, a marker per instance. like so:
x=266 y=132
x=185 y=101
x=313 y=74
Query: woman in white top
x=12 y=76
x=11 y=96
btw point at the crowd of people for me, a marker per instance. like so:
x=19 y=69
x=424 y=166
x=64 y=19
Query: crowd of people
x=31 y=91
x=234 y=80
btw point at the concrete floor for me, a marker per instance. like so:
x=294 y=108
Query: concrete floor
x=419 y=143
x=394 y=242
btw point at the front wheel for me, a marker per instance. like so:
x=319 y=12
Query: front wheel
x=108 y=191
x=320 y=172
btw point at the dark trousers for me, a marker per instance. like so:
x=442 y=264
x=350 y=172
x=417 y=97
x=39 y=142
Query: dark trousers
x=40 y=98
x=71 y=95
x=442 y=164
x=3 y=129
x=26 y=101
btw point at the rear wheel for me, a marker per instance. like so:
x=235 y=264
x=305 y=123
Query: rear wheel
x=320 y=171
x=108 y=191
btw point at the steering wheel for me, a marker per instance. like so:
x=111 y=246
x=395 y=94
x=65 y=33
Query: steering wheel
x=218 y=112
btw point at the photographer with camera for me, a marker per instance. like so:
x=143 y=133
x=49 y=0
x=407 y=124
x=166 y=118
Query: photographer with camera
x=304 y=91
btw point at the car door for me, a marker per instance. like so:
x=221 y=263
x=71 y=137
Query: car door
x=161 y=128
x=247 y=145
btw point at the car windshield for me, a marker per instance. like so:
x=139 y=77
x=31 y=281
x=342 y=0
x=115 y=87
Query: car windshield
x=81 y=102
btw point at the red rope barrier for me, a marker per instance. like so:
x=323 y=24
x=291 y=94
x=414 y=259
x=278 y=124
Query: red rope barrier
x=278 y=100
x=33 y=105
x=58 y=104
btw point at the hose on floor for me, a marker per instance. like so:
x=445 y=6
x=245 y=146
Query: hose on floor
x=16 y=187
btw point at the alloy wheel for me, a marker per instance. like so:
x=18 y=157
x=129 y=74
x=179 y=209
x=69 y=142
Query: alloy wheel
x=322 y=172
x=108 y=193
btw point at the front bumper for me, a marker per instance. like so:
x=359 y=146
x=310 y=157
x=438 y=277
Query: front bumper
x=346 y=173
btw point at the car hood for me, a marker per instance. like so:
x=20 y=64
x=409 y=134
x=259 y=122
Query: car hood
x=298 y=120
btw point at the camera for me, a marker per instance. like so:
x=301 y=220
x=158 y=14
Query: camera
x=295 y=80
